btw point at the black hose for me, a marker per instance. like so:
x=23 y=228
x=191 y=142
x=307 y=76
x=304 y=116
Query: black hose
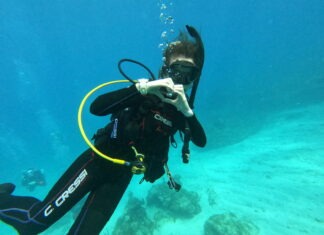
x=135 y=62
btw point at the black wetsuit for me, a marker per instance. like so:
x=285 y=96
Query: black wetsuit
x=140 y=121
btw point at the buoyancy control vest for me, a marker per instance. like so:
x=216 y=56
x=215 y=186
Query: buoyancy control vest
x=148 y=127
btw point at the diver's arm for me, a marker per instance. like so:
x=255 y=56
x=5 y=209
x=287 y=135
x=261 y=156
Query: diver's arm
x=116 y=100
x=198 y=136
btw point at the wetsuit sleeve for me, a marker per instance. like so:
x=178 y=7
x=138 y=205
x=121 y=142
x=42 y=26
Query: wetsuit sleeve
x=198 y=136
x=114 y=101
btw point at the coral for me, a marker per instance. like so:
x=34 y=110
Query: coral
x=171 y=205
x=183 y=204
x=228 y=224
x=135 y=220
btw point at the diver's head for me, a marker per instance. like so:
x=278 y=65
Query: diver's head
x=184 y=59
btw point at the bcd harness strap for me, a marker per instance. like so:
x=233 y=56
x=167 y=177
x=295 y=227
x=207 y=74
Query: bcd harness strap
x=186 y=140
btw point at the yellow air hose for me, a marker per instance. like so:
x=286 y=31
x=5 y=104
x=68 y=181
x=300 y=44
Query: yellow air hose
x=114 y=160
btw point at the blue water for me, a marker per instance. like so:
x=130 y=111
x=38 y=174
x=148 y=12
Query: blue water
x=262 y=58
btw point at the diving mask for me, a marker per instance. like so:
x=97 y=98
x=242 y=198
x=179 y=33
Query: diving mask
x=183 y=72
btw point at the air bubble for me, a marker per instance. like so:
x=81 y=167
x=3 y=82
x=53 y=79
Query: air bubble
x=167 y=20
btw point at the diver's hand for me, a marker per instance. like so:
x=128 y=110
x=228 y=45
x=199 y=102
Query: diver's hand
x=144 y=86
x=180 y=101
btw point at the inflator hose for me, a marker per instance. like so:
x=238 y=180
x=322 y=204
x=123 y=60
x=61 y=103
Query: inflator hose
x=114 y=160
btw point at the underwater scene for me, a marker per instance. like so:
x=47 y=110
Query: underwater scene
x=260 y=101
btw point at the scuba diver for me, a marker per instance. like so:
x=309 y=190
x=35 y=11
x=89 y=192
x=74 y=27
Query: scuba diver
x=144 y=118
x=32 y=178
